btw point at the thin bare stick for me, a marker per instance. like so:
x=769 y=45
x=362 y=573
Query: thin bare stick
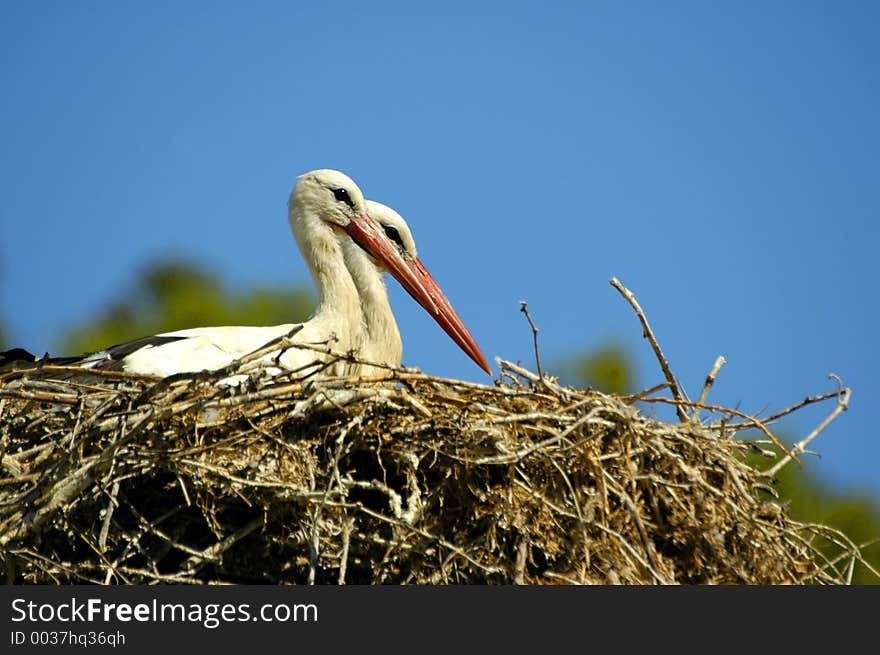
x=633 y=397
x=532 y=377
x=809 y=400
x=649 y=335
x=213 y=552
x=643 y=534
x=346 y=544
x=710 y=380
x=335 y=478
x=727 y=410
x=519 y=567
x=524 y=308
x=842 y=406
x=108 y=516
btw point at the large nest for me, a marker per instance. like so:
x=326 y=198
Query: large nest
x=411 y=479
x=404 y=478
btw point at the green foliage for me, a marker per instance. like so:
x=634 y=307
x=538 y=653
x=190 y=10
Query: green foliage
x=608 y=368
x=173 y=295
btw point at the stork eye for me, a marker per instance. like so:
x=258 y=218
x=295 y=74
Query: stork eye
x=342 y=196
x=392 y=233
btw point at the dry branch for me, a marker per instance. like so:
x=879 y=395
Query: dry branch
x=648 y=333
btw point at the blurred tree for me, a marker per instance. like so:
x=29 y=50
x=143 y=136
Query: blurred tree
x=608 y=368
x=175 y=294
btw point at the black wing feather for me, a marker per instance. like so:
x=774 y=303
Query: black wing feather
x=122 y=350
x=108 y=358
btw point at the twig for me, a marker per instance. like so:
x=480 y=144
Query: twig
x=346 y=544
x=726 y=410
x=633 y=397
x=108 y=515
x=710 y=380
x=532 y=377
x=456 y=550
x=842 y=405
x=212 y=553
x=335 y=480
x=523 y=307
x=73 y=370
x=590 y=417
x=65 y=398
x=581 y=521
x=649 y=335
x=519 y=565
x=809 y=400
x=640 y=527
x=566 y=579
x=632 y=551
x=65 y=490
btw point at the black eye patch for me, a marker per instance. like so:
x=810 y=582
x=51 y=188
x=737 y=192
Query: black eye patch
x=392 y=233
x=342 y=196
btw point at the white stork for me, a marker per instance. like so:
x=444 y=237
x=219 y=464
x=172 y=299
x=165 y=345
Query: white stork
x=381 y=337
x=326 y=208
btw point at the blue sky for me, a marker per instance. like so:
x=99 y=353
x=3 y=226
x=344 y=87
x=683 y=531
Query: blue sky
x=722 y=159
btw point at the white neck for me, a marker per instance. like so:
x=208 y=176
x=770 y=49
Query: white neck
x=338 y=304
x=381 y=338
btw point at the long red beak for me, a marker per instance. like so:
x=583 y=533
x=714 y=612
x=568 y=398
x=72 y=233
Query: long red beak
x=414 y=277
x=445 y=315
x=370 y=236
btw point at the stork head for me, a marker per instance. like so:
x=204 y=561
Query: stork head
x=329 y=195
x=435 y=301
x=395 y=228
x=332 y=199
